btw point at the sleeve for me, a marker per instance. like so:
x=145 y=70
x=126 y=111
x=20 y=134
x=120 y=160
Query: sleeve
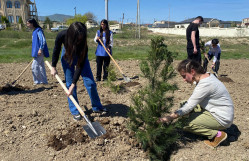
x=111 y=40
x=78 y=70
x=208 y=43
x=200 y=92
x=41 y=39
x=57 y=47
x=95 y=39
x=194 y=27
x=216 y=54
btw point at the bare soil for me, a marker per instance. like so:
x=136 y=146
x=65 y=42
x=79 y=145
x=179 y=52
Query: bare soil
x=36 y=123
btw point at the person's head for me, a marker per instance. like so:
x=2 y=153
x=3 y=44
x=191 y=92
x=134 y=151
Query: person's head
x=76 y=42
x=105 y=27
x=198 y=20
x=189 y=69
x=215 y=42
x=32 y=24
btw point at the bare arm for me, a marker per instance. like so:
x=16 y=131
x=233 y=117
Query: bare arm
x=193 y=41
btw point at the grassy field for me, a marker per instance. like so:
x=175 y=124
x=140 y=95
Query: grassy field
x=15 y=46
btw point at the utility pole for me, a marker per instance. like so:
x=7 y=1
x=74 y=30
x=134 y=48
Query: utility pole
x=138 y=20
x=122 y=21
x=106 y=10
x=75 y=11
x=169 y=17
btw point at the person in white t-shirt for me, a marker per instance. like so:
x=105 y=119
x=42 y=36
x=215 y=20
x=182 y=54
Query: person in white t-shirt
x=214 y=51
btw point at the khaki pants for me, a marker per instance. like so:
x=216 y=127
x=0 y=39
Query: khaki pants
x=201 y=122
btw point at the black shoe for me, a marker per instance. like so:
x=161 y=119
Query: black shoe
x=77 y=117
x=98 y=79
x=103 y=110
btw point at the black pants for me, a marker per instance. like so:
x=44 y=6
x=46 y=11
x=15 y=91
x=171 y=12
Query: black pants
x=102 y=61
x=217 y=63
x=192 y=56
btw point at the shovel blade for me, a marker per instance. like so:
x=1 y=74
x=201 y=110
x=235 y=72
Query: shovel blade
x=126 y=79
x=97 y=127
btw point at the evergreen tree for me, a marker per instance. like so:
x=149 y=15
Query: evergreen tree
x=48 y=21
x=153 y=101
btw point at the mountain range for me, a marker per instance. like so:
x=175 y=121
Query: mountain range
x=55 y=17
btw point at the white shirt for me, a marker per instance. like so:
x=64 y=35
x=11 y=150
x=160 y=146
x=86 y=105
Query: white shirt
x=213 y=51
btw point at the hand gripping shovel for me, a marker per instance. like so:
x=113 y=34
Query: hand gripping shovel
x=93 y=129
x=209 y=62
x=127 y=79
x=21 y=73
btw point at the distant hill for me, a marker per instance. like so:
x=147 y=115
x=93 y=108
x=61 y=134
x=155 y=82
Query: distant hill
x=55 y=17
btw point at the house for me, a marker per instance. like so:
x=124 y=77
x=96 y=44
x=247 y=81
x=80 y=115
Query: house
x=245 y=22
x=13 y=10
x=163 y=24
x=91 y=23
x=209 y=22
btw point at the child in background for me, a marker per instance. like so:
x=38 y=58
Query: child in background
x=39 y=50
x=214 y=51
x=102 y=58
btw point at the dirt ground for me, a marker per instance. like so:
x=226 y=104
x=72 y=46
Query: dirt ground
x=35 y=123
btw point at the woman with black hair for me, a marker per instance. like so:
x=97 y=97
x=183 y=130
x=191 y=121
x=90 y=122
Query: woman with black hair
x=102 y=58
x=74 y=60
x=39 y=50
x=216 y=110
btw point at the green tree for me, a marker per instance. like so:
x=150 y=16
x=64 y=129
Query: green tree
x=78 y=18
x=151 y=102
x=90 y=16
x=48 y=22
x=20 y=21
x=5 y=20
x=233 y=24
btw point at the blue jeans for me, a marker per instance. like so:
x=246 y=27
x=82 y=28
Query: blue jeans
x=88 y=81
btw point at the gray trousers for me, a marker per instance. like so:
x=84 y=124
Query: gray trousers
x=39 y=71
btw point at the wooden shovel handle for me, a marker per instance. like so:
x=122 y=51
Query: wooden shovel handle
x=66 y=90
x=111 y=56
x=22 y=72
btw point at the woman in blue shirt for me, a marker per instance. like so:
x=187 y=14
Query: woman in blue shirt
x=102 y=58
x=39 y=50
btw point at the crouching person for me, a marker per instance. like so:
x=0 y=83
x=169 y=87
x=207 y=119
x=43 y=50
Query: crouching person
x=214 y=51
x=217 y=110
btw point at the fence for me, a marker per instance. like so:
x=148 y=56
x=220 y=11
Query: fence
x=210 y=32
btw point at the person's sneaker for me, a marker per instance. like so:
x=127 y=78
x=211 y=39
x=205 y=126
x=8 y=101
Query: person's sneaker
x=103 y=110
x=77 y=117
x=216 y=141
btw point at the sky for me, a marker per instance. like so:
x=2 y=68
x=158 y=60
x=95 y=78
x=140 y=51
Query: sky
x=150 y=10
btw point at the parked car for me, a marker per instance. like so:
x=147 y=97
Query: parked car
x=2 y=27
x=116 y=31
x=59 y=28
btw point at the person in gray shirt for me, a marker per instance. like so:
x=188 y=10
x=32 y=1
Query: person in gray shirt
x=217 y=109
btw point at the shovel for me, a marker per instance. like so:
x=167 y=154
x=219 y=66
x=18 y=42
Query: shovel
x=127 y=79
x=21 y=73
x=209 y=62
x=93 y=129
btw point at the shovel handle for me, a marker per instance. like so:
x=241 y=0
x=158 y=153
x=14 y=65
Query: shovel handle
x=66 y=90
x=208 y=61
x=22 y=72
x=111 y=56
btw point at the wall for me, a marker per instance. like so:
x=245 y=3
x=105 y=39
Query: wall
x=211 y=32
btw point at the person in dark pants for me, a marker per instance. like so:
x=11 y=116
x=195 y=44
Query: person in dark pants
x=214 y=51
x=102 y=58
x=193 y=45
x=75 y=63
